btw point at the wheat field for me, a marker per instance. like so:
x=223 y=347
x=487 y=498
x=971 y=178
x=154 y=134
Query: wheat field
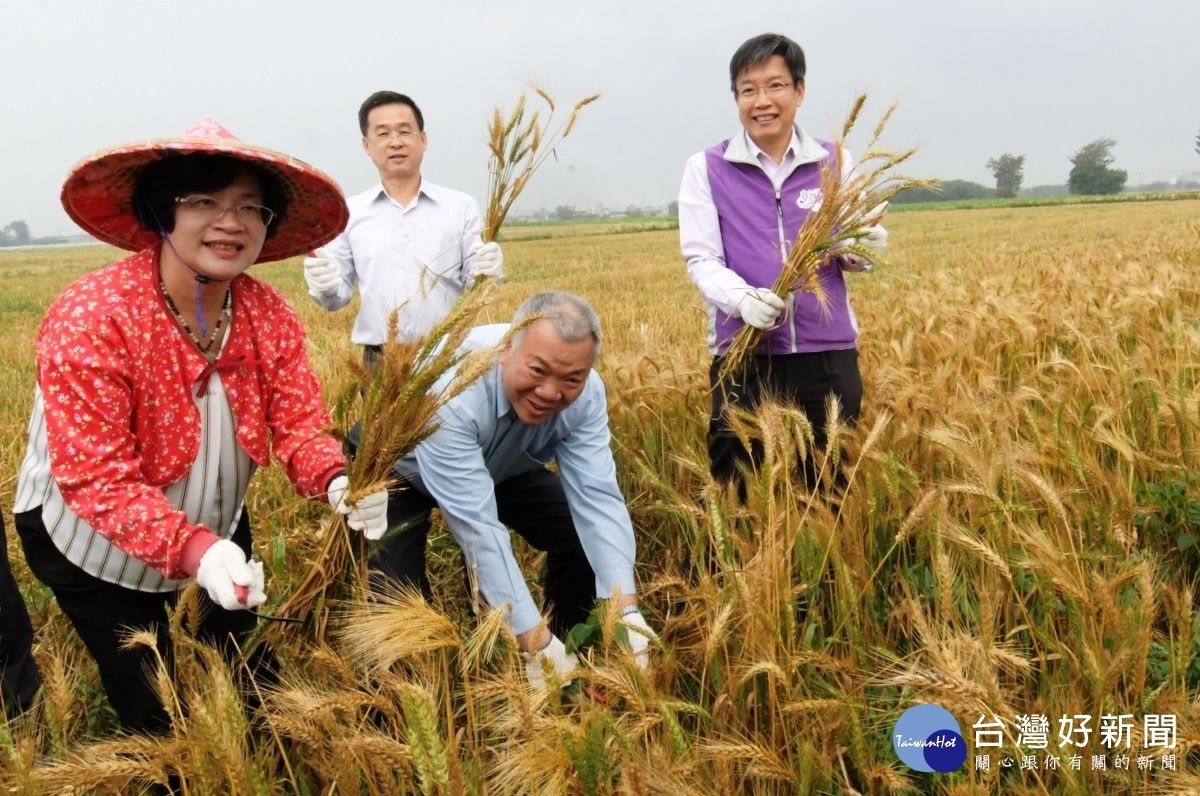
x=1012 y=532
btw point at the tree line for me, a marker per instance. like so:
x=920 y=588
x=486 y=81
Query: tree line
x=1092 y=173
x=16 y=233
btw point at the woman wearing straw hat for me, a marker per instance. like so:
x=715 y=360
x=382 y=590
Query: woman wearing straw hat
x=163 y=381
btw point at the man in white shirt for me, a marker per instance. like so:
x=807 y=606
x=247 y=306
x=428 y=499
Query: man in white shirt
x=411 y=246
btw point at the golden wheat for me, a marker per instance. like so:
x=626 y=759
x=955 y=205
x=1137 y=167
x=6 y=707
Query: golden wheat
x=1008 y=542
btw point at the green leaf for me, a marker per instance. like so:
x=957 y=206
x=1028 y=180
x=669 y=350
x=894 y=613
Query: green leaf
x=583 y=635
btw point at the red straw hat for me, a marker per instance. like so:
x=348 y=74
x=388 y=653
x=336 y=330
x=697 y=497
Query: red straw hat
x=98 y=193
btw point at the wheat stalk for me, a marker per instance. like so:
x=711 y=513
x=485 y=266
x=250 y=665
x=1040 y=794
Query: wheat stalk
x=425 y=741
x=519 y=145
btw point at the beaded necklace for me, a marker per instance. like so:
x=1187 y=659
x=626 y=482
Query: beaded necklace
x=206 y=345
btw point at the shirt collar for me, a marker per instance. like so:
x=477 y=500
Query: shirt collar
x=434 y=193
x=742 y=149
x=503 y=407
x=793 y=148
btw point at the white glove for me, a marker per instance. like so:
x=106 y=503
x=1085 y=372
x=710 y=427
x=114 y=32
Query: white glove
x=487 y=260
x=369 y=514
x=552 y=660
x=875 y=237
x=322 y=276
x=231 y=581
x=640 y=635
x=760 y=307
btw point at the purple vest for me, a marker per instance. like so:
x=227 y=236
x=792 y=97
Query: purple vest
x=750 y=216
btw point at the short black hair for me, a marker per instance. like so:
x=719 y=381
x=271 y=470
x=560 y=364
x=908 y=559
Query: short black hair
x=758 y=49
x=175 y=175
x=387 y=98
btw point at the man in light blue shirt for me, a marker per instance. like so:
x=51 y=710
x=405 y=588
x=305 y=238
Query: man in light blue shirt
x=485 y=467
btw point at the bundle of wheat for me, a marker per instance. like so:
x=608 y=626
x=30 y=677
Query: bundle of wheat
x=394 y=405
x=519 y=146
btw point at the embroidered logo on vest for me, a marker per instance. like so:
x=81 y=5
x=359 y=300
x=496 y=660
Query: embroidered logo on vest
x=809 y=199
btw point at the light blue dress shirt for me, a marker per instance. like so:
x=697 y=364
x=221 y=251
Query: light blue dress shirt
x=481 y=442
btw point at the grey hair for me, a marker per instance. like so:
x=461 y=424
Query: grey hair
x=570 y=314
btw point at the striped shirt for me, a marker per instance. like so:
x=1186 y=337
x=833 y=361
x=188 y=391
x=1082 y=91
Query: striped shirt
x=210 y=495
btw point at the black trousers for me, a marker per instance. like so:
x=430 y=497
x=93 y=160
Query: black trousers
x=532 y=504
x=802 y=380
x=103 y=613
x=19 y=676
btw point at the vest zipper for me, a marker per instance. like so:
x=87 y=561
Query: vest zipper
x=783 y=254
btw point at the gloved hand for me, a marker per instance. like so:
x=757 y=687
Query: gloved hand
x=231 y=581
x=639 y=634
x=487 y=260
x=553 y=660
x=868 y=233
x=369 y=514
x=322 y=276
x=760 y=307
x=875 y=237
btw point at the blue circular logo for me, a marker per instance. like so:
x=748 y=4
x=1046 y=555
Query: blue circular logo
x=927 y=738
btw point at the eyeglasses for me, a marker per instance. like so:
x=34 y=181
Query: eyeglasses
x=748 y=93
x=405 y=136
x=210 y=209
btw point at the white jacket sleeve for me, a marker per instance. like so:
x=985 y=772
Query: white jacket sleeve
x=700 y=240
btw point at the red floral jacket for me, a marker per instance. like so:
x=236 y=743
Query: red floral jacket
x=117 y=377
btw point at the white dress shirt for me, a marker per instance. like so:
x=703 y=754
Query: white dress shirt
x=413 y=259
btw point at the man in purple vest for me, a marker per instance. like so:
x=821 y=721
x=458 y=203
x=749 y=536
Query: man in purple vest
x=741 y=204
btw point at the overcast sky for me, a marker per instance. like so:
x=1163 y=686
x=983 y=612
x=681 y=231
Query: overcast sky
x=1039 y=78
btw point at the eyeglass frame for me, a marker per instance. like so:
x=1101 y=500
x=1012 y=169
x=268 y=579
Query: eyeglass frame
x=751 y=93
x=261 y=214
x=405 y=136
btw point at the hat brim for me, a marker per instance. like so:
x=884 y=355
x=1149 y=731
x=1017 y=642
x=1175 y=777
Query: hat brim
x=98 y=194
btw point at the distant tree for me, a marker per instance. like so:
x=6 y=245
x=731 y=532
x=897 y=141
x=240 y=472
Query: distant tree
x=1008 y=170
x=1097 y=153
x=17 y=233
x=1091 y=174
x=946 y=191
x=565 y=212
x=673 y=207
